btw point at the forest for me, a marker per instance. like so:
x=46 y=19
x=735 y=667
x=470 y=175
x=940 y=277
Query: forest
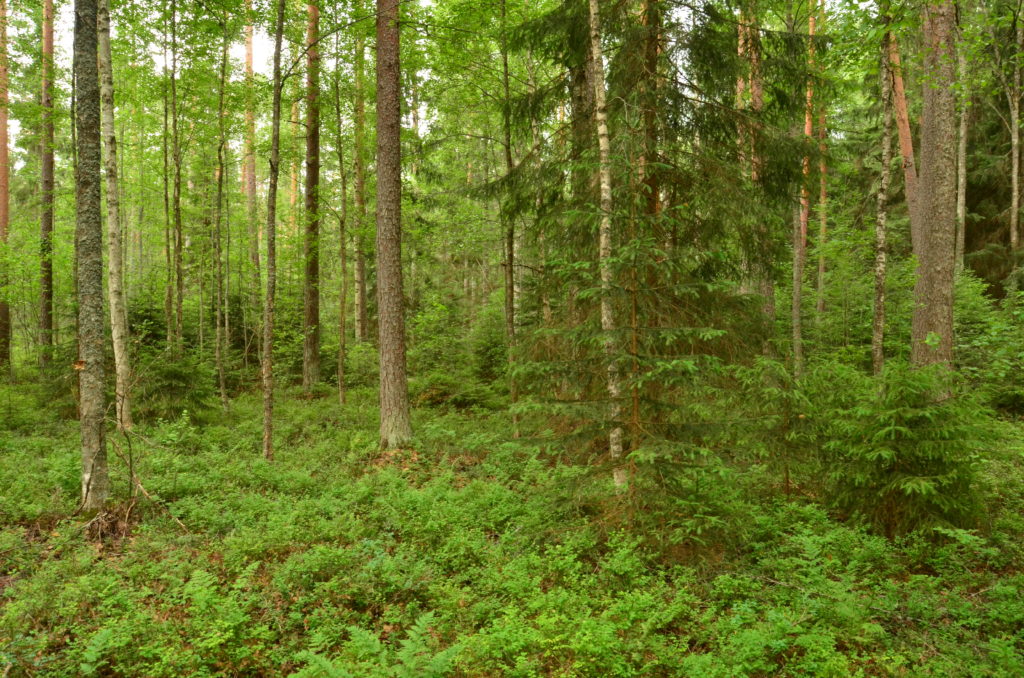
x=528 y=338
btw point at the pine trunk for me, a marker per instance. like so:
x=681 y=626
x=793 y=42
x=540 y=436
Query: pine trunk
x=342 y=249
x=800 y=231
x=362 y=324
x=395 y=426
x=89 y=259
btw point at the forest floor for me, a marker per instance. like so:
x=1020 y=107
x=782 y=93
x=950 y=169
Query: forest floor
x=472 y=554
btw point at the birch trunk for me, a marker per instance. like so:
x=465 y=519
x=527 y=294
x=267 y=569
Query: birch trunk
x=881 y=217
x=615 y=442
x=271 y=239
x=115 y=277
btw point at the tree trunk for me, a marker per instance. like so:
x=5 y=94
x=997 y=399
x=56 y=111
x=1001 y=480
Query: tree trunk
x=311 y=296
x=899 y=99
x=800 y=232
x=5 y=309
x=115 y=278
x=220 y=317
x=881 y=216
x=271 y=238
x=255 y=277
x=89 y=258
x=342 y=250
x=961 y=161
x=362 y=325
x=615 y=446
x=179 y=243
x=1014 y=96
x=46 y=191
x=508 y=224
x=395 y=426
x=822 y=215
x=932 y=323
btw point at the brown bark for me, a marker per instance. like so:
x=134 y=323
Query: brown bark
x=608 y=326
x=342 y=249
x=362 y=323
x=932 y=322
x=800 y=230
x=395 y=426
x=881 y=217
x=271 y=240
x=822 y=214
x=899 y=100
x=89 y=258
x=115 y=277
x=5 y=309
x=311 y=289
x=46 y=191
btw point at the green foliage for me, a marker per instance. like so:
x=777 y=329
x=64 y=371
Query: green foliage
x=472 y=554
x=906 y=457
x=168 y=383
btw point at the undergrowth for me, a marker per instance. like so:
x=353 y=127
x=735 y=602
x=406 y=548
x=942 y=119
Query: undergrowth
x=476 y=554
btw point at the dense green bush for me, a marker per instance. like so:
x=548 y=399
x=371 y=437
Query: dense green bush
x=907 y=456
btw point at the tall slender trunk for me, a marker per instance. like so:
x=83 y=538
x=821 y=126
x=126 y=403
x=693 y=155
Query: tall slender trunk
x=179 y=244
x=5 y=309
x=508 y=224
x=249 y=166
x=961 y=160
x=342 y=249
x=932 y=321
x=800 y=232
x=168 y=247
x=89 y=257
x=220 y=317
x=115 y=277
x=899 y=100
x=311 y=300
x=395 y=426
x=1014 y=95
x=362 y=325
x=615 y=445
x=881 y=216
x=46 y=190
x=271 y=238
x=822 y=197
